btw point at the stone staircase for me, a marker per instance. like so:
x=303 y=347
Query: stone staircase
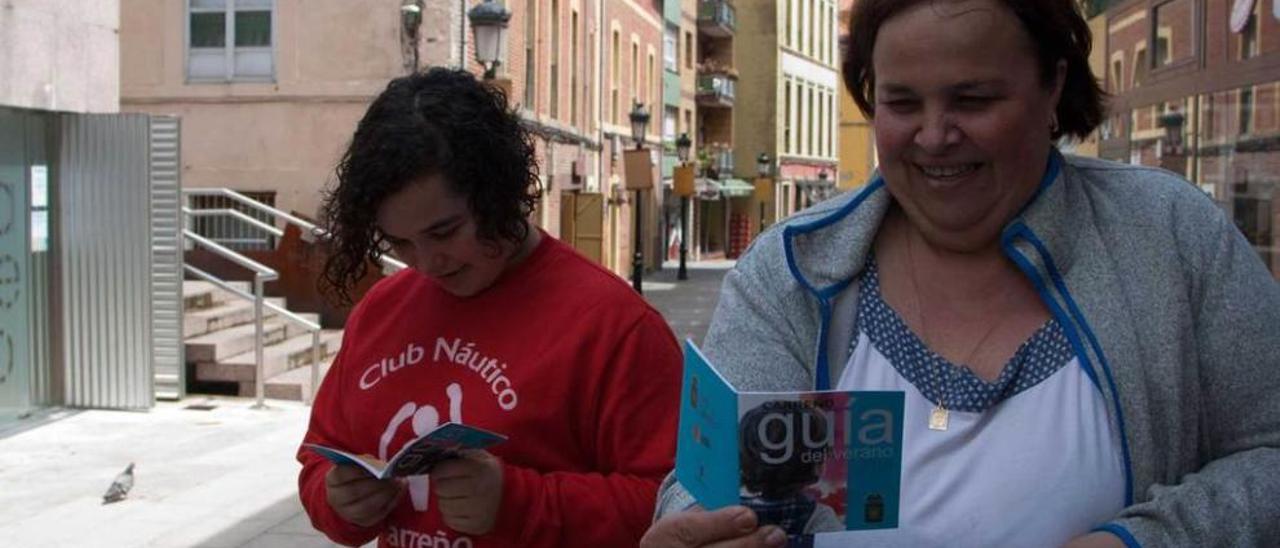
x=219 y=330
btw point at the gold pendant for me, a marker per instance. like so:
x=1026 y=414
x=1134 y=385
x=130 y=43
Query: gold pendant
x=939 y=418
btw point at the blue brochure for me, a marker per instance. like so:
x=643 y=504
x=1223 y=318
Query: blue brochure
x=806 y=461
x=419 y=455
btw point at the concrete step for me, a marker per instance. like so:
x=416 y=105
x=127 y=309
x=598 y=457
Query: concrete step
x=199 y=294
x=220 y=345
x=203 y=321
x=276 y=359
x=293 y=385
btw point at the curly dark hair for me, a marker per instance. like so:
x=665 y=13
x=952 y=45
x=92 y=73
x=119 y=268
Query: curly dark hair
x=441 y=122
x=1056 y=28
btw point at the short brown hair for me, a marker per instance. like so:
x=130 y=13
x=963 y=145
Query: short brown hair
x=1056 y=27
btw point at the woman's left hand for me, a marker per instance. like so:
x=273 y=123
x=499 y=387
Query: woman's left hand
x=1095 y=540
x=468 y=490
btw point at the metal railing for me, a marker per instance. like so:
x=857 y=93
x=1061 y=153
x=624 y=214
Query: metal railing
x=718 y=13
x=262 y=274
x=310 y=232
x=716 y=87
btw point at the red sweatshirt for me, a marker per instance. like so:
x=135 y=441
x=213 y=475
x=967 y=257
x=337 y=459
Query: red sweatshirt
x=559 y=355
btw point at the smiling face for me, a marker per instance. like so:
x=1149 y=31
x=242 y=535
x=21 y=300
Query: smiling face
x=429 y=227
x=962 y=118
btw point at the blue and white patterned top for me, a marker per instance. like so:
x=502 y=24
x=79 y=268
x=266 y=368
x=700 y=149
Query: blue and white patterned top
x=1031 y=459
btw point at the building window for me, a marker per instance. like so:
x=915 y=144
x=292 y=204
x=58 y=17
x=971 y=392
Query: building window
x=670 y=116
x=635 y=72
x=671 y=49
x=1117 y=74
x=230 y=40
x=651 y=81
x=1174 y=34
x=574 y=66
x=616 y=75
x=688 y=51
x=1140 y=64
x=809 y=141
x=1246 y=111
x=787 y=119
x=790 y=38
x=1248 y=45
x=530 y=53
x=554 y=98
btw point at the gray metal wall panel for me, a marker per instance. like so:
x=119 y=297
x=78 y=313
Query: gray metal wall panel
x=166 y=255
x=105 y=256
x=38 y=287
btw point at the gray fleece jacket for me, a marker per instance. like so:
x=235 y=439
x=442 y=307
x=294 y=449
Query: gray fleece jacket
x=1169 y=309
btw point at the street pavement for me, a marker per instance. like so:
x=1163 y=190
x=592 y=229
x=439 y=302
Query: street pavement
x=210 y=471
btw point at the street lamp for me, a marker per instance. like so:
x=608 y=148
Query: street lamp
x=639 y=122
x=764 y=190
x=682 y=152
x=489 y=22
x=823 y=192
x=764 y=165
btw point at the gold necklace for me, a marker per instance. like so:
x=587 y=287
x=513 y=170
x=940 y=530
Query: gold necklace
x=940 y=417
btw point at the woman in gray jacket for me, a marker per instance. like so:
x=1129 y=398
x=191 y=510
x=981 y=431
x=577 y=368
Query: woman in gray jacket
x=1090 y=352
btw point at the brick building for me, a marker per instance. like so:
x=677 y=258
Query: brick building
x=1196 y=90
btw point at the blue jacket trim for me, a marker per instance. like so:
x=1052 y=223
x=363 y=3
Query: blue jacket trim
x=792 y=230
x=1119 y=531
x=822 y=375
x=1046 y=296
x=1061 y=286
x=1051 y=169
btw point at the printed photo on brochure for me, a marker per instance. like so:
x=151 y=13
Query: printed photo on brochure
x=807 y=462
x=419 y=455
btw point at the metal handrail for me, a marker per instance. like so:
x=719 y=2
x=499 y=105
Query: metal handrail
x=310 y=232
x=258 y=268
x=313 y=327
x=262 y=273
x=254 y=204
x=237 y=214
x=224 y=285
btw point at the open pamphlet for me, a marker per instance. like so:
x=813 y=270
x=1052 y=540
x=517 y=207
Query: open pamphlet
x=419 y=455
x=807 y=462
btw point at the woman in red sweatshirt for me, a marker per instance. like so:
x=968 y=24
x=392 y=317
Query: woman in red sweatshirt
x=494 y=324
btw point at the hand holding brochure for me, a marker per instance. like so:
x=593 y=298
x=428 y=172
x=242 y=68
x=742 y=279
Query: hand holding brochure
x=805 y=461
x=419 y=455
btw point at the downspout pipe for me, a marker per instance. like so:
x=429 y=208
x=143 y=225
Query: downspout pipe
x=462 y=34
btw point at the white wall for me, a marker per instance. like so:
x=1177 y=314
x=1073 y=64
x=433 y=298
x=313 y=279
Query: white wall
x=60 y=55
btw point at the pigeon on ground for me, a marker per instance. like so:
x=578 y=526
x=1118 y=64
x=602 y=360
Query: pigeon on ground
x=120 y=487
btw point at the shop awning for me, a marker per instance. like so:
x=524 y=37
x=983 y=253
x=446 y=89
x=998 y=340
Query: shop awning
x=736 y=188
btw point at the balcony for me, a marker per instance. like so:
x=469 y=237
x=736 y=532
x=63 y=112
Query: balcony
x=716 y=90
x=716 y=161
x=717 y=18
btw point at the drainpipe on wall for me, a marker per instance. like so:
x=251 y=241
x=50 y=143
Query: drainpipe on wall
x=601 y=185
x=462 y=34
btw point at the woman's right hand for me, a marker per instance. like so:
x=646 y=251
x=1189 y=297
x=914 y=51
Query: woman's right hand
x=359 y=498
x=732 y=527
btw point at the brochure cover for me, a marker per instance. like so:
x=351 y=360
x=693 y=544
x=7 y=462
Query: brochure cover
x=806 y=461
x=419 y=455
